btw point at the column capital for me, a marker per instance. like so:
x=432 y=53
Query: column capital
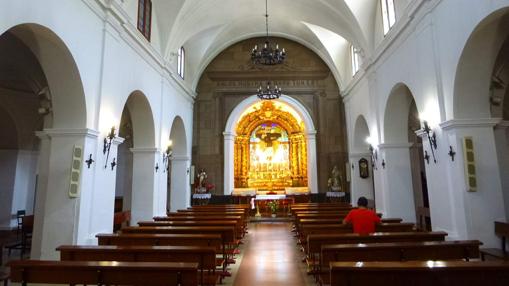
x=180 y=158
x=68 y=132
x=469 y=123
x=358 y=155
x=394 y=146
x=229 y=135
x=311 y=134
x=150 y=150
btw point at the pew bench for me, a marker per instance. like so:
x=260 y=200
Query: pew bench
x=315 y=242
x=502 y=230
x=401 y=251
x=203 y=255
x=450 y=273
x=4 y=277
x=104 y=273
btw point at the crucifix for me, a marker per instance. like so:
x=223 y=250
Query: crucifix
x=451 y=153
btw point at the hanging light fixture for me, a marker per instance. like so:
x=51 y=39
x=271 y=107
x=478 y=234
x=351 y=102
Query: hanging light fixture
x=268 y=54
x=268 y=93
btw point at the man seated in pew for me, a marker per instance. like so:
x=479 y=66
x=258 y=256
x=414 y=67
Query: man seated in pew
x=362 y=219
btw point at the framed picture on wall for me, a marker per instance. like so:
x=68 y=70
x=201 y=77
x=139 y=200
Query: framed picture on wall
x=363 y=168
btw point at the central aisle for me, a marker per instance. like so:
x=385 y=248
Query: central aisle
x=271 y=257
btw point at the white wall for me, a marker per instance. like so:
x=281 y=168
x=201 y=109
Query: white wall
x=422 y=51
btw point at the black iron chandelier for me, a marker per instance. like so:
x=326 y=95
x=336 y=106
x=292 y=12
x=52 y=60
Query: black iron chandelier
x=268 y=54
x=268 y=93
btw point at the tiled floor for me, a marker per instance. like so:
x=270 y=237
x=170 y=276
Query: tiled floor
x=270 y=257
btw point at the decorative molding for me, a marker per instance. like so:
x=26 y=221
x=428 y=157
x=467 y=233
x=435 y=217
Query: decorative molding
x=117 y=141
x=69 y=132
x=395 y=145
x=263 y=75
x=359 y=154
x=502 y=124
x=469 y=123
x=180 y=158
x=149 y=150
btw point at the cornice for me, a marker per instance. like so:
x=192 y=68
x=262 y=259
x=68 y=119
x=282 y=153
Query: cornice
x=394 y=146
x=148 y=150
x=469 y=123
x=69 y=132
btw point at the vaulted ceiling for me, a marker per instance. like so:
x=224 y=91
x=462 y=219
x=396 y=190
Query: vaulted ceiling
x=206 y=27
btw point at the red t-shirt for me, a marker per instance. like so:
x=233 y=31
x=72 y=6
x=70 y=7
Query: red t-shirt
x=363 y=220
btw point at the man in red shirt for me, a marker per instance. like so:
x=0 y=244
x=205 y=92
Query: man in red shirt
x=362 y=219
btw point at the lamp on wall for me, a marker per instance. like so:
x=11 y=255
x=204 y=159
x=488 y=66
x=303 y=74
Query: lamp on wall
x=107 y=144
x=431 y=138
x=167 y=155
x=373 y=152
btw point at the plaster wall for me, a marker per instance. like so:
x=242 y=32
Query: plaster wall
x=423 y=52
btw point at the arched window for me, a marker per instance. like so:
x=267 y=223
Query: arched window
x=145 y=17
x=354 y=54
x=388 y=14
x=181 y=62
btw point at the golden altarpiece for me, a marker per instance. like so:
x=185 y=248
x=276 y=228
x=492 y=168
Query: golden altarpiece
x=270 y=148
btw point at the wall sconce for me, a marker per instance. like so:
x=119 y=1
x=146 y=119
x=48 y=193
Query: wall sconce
x=107 y=144
x=431 y=138
x=167 y=155
x=373 y=152
x=374 y=156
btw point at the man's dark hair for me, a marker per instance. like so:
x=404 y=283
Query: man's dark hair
x=362 y=202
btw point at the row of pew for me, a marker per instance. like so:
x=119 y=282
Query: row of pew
x=396 y=254
x=188 y=247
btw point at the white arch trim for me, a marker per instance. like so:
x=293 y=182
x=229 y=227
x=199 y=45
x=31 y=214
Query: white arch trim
x=229 y=140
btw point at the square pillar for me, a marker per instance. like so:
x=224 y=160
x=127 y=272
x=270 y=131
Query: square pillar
x=396 y=178
x=180 y=185
x=474 y=212
x=145 y=202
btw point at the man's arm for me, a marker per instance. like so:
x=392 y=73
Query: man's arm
x=348 y=218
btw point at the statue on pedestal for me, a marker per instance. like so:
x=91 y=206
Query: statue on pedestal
x=200 y=182
x=334 y=182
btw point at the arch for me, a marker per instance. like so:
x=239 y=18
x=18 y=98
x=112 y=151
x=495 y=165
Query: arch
x=142 y=119
x=309 y=126
x=396 y=113
x=361 y=132
x=475 y=66
x=9 y=130
x=61 y=72
x=230 y=133
x=179 y=192
x=178 y=137
x=399 y=198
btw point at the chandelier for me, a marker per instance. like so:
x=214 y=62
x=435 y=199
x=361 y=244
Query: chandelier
x=268 y=93
x=268 y=55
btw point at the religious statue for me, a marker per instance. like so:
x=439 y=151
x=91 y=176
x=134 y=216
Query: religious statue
x=200 y=182
x=334 y=182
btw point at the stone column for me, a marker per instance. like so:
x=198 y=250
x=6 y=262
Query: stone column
x=398 y=196
x=361 y=187
x=180 y=184
x=59 y=218
x=312 y=166
x=473 y=213
x=229 y=143
x=144 y=198
x=502 y=143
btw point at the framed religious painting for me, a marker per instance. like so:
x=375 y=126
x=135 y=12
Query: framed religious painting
x=363 y=168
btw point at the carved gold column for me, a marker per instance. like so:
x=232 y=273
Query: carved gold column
x=243 y=160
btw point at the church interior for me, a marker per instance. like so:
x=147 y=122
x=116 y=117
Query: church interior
x=229 y=142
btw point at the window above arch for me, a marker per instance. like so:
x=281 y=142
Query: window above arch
x=181 y=62
x=354 y=55
x=388 y=14
x=145 y=17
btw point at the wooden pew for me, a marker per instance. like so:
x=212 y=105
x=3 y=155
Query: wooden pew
x=450 y=273
x=241 y=222
x=227 y=235
x=203 y=255
x=214 y=240
x=315 y=241
x=307 y=229
x=104 y=273
x=400 y=251
x=229 y=223
x=502 y=230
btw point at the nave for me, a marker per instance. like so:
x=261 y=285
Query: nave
x=225 y=245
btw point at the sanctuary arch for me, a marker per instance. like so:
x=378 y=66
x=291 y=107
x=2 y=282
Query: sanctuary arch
x=225 y=91
x=273 y=145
